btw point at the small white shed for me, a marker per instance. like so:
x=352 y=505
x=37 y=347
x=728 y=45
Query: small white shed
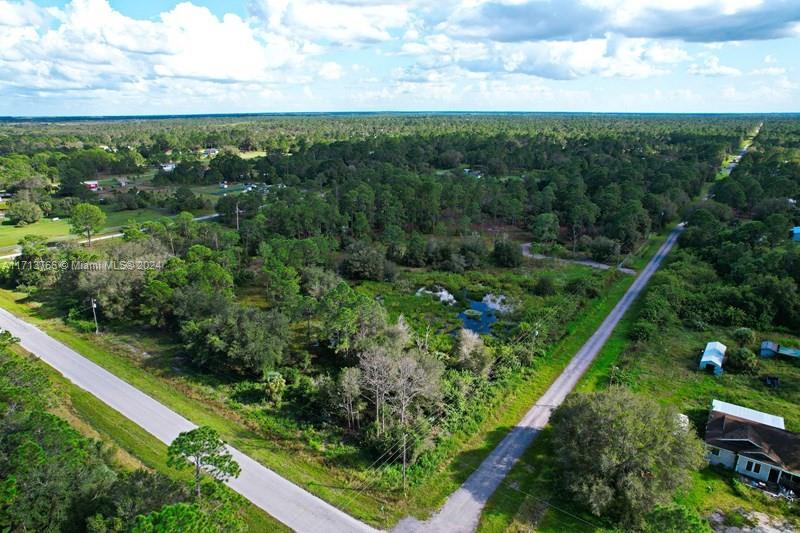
x=713 y=357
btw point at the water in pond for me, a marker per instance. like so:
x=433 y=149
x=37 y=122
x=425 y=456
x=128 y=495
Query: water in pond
x=479 y=317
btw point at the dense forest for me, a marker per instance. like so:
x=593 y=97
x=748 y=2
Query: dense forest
x=737 y=265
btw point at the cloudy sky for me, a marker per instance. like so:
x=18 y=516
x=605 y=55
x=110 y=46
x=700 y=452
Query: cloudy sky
x=110 y=57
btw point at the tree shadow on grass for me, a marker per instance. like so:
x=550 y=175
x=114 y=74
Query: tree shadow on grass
x=43 y=305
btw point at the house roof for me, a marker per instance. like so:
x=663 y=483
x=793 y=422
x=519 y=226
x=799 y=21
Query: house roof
x=746 y=413
x=714 y=352
x=757 y=441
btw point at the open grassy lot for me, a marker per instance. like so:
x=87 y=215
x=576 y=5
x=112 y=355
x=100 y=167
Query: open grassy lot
x=117 y=219
x=214 y=192
x=252 y=154
x=52 y=229
x=56 y=230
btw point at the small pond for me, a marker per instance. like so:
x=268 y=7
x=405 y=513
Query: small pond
x=479 y=317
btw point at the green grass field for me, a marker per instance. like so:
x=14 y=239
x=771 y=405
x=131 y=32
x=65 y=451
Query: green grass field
x=52 y=229
x=58 y=230
x=252 y=154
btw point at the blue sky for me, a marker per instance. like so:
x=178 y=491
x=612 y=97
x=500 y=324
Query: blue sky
x=108 y=57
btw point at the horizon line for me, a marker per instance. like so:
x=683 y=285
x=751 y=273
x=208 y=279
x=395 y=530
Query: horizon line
x=161 y=116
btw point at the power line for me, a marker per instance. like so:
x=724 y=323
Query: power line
x=544 y=320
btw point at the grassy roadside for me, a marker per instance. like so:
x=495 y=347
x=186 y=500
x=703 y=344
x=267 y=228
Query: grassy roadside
x=58 y=230
x=134 y=447
x=297 y=467
x=477 y=445
x=527 y=487
x=526 y=496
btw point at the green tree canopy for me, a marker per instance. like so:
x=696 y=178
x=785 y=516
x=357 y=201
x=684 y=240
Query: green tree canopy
x=23 y=212
x=86 y=219
x=621 y=454
x=203 y=450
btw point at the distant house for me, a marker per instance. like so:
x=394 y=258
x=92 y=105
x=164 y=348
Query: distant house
x=754 y=444
x=92 y=185
x=796 y=233
x=474 y=173
x=713 y=357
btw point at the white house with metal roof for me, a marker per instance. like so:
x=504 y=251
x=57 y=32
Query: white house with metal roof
x=755 y=445
x=713 y=357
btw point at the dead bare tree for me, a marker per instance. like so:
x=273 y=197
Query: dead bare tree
x=414 y=376
x=376 y=377
x=349 y=394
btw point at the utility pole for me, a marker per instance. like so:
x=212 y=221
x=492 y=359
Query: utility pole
x=94 y=313
x=404 y=462
x=237 y=215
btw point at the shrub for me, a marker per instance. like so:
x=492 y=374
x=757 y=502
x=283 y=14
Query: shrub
x=643 y=330
x=743 y=359
x=507 y=253
x=74 y=320
x=675 y=519
x=744 y=336
x=586 y=287
x=603 y=249
x=274 y=387
x=740 y=489
x=545 y=286
x=24 y=212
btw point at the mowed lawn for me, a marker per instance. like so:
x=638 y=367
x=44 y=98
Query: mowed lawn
x=52 y=229
x=56 y=230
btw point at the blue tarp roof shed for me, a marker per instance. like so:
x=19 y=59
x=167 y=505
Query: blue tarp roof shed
x=713 y=357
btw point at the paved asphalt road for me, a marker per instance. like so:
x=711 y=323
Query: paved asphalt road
x=462 y=510
x=280 y=498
